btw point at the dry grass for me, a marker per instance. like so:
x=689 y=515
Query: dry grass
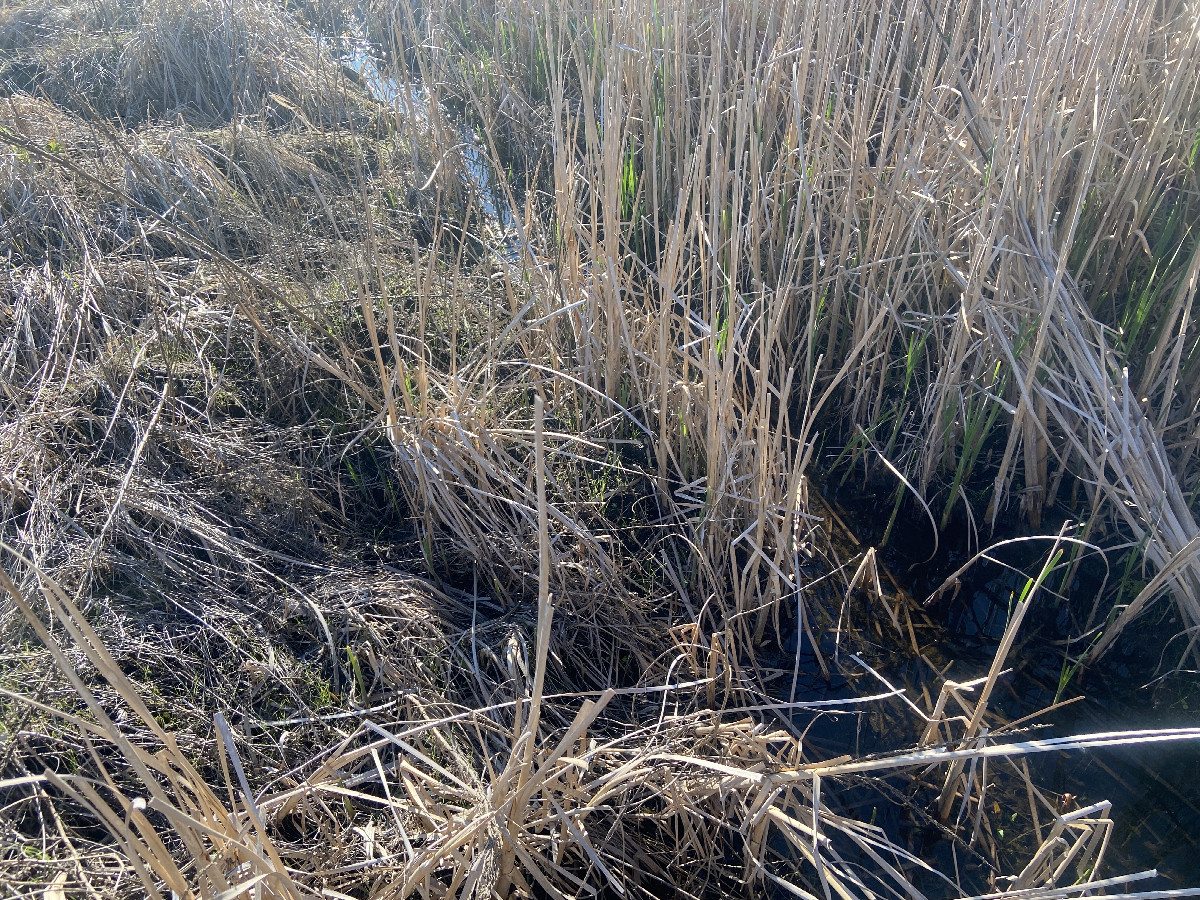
x=386 y=546
x=917 y=218
x=201 y=62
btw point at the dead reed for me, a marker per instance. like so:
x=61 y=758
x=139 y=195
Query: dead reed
x=908 y=221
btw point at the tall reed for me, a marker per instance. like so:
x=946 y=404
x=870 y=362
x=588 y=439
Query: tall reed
x=750 y=221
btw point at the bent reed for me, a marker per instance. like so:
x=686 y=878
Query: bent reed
x=410 y=415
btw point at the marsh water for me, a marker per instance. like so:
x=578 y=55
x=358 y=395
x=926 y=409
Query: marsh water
x=410 y=99
x=1154 y=789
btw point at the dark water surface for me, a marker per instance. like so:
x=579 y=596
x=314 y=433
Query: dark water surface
x=1154 y=790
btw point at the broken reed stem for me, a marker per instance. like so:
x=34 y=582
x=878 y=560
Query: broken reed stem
x=545 y=609
x=526 y=737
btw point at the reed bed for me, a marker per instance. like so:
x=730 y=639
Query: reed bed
x=410 y=415
x=911 y=216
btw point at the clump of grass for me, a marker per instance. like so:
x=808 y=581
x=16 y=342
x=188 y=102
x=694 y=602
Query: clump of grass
x=205 y=62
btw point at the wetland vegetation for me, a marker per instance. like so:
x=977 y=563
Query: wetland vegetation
x=479 y=449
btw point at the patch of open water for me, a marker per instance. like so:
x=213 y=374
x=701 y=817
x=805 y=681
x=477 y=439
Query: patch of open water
x=1154 y=789
x=413 y=101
